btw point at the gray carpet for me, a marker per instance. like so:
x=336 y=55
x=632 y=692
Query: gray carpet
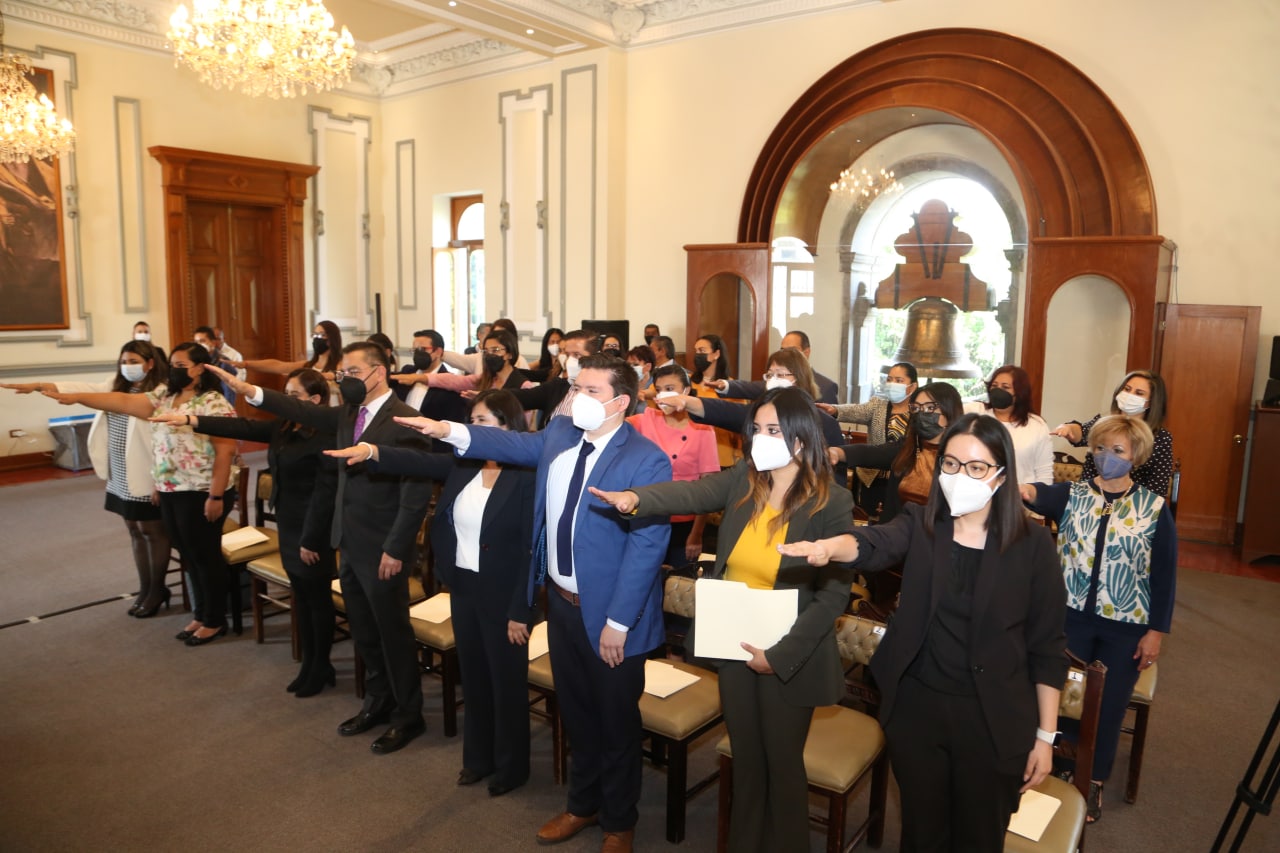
x=115 y=737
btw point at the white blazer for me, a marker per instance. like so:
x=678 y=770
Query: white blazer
x=138 y=453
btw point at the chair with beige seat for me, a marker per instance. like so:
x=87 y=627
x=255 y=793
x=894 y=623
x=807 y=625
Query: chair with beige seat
x=239 y=558
x=844 y=747
x=1081 y=700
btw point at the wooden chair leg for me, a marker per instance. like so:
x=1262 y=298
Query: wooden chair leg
x=1136 y=749
x=726 y=802
x=257 y=589
x=677 y=782
x=837 y=811
x=878 y=801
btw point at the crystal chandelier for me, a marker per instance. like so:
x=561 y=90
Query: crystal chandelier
x=281 y=48
x=863 y=186
x=29 y=125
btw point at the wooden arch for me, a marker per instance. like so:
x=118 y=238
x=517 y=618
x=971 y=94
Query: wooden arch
x=1090 y=204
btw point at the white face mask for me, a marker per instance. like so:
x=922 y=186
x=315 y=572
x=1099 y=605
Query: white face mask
x=778 y=382
x=639 y=369
x=133 y=372
x=588 y=412
x=769 y=452
x=895 y=392
x=1131 y=404
x=553 y=350
x=571 y=367
x=142 y=336
x=965 y=494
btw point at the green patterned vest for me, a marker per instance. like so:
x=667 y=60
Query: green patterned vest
x=1124 y=581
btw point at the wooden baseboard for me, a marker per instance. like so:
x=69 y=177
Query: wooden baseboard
x=22 y=461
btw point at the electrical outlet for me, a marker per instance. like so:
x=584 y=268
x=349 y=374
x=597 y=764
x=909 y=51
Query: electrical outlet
x=17 y=433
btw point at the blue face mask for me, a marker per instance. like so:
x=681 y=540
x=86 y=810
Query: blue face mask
x=895 y=392
x=1110 y=466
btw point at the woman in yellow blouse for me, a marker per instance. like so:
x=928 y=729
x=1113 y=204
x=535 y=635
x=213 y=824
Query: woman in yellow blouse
x=782 y=492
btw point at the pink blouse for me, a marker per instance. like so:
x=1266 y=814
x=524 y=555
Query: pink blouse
x=692 y=450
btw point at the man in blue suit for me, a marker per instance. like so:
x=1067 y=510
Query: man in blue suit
x=605 y=596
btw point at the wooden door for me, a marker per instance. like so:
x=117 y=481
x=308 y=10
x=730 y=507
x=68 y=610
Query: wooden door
x=1206 y=355
x=234 y=276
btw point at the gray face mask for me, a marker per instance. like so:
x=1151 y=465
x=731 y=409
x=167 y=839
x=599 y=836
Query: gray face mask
x=927 y=425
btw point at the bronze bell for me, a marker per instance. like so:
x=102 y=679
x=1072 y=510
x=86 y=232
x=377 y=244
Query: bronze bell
x=930 y=341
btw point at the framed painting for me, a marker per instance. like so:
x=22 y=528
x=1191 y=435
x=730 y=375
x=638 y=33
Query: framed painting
x=33 y=268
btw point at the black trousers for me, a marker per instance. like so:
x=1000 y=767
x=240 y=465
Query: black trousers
x=1091 y=637
x=957 y=794
x=378 y=612
x=770 y=789
x=199 y=541
x=600 y=707
x=312 y=594
x=495 y=683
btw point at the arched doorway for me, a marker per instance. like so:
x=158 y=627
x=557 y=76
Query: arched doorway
x=1087 y=194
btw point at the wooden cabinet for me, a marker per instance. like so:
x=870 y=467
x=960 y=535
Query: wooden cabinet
x=1262 y=501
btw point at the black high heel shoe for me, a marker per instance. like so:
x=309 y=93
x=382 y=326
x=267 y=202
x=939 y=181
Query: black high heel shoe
x=197 y=640
x=146 y=611
x=316 y=682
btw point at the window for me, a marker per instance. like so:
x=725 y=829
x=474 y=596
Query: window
x=459 y=273
x=792 y=283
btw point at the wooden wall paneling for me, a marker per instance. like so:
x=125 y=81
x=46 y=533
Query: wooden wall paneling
x=749 y=262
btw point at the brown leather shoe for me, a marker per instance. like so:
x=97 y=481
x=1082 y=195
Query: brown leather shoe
x=564 y=826
x=618 y=842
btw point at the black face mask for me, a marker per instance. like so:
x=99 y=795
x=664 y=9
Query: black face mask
x=999 y=398
x=421 y=360
x=648 y=339
x=178 y=378
x=927 y=425
x=319 y=346
x=494 y=363
x=701 y=361
x=353 y=390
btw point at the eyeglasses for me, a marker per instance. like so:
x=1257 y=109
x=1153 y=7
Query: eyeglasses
x=495 y=351
x=352 y=372
x=778 y=374
x=975 y=468
x=427 y=350
x=927 y=408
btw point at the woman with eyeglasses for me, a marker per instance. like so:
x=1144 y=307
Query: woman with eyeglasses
x=303 y=484
x=1119 y=553
x=782 y=492
x=480 y=538
x=1140 y=394
x=971 y=668
x=910 y=463
x=690 y=446
x=611 y=345
x=1009 y=401
x=195 y=476
x=886 y=419
x=326 y=355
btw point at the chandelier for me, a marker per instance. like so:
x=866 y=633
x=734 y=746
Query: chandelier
x=864 y=187
x=29 y=125
x=281 y=48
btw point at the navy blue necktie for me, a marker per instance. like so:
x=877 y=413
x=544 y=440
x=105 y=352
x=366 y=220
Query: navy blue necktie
x=564 y=532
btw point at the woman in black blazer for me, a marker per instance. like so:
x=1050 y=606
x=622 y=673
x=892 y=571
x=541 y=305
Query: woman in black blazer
x=785 y=493
x=303 y=481
x=480 y=537
x=972 y=664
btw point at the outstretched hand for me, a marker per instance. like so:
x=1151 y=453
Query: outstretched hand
x=623 y=502
x=173 y=419
x=232 y=381
x=64 y=399
x=28 y=387
x=427 y=426
x=355 y=454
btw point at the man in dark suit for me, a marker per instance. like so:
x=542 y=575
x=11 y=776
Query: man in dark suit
x=605 y=598
x=828 y=391
x=375 y=524
x=411 y=384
